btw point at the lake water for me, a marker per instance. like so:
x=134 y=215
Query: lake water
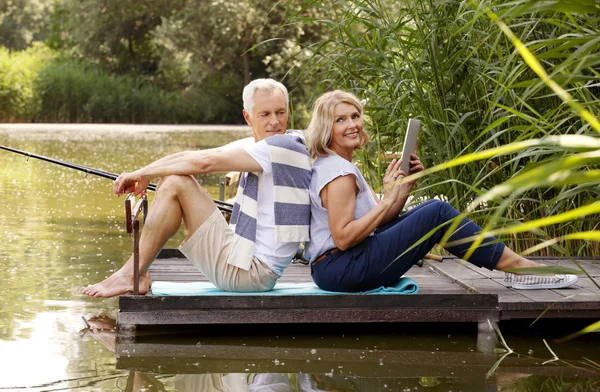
x=63 y=229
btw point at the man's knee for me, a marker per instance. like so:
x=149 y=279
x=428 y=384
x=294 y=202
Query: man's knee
x=176 y=184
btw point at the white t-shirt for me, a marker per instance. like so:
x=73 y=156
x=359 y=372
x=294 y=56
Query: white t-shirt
x=240 y=143
x=276 y=255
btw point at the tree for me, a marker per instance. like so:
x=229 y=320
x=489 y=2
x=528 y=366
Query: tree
x=113 y=34
x=23 y=22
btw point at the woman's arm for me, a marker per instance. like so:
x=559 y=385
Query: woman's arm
x=339 y=198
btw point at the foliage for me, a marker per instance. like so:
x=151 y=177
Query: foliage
x=23 y=22
x=240 y=39
x=116 y=35
x=450 y=65
x=18 y=72
x=40 y=85
x=204 y=51
x=71 y=91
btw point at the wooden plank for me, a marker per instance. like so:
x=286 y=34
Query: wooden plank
x=490 y=286
x=455 y=270
x=467 y=276
x=514 y=310
x=305 y=316
x=546 y=295
x=586 y=283
x=132 y=303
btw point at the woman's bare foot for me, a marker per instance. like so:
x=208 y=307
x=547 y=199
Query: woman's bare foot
x=117 y=284
x=510 y=259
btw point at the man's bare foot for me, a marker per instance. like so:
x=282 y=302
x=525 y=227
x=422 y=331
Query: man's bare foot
x=117 y=284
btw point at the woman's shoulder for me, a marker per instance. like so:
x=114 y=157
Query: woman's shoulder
x=327 y=169
x=333 y=163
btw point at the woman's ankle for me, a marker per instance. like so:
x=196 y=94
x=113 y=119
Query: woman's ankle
x=509 y=259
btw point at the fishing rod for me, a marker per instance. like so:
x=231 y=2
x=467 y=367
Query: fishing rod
x=223 y=206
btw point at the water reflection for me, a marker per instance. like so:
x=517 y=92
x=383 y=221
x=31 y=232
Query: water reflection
x=336 y=363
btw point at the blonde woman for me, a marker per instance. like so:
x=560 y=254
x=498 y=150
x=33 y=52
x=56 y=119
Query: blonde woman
x=355 y=236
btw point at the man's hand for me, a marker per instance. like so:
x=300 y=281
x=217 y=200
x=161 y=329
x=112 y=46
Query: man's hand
x=133 y=182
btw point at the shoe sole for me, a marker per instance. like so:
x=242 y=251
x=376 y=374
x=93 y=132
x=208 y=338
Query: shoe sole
x=544 y=286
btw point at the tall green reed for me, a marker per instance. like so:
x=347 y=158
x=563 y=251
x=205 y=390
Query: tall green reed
x=450 y=65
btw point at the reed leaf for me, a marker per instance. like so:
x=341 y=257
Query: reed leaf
x=595 y=327
x=535 y=65
x=550 y=270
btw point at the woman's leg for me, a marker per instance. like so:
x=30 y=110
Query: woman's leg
x=388 y=258
x=382 y=259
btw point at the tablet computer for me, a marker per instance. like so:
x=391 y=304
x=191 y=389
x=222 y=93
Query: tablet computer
x=410 y=143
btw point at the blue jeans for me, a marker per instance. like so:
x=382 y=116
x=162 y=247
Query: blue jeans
x=372 y=263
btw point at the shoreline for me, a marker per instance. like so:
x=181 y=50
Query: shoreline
x=119 y=128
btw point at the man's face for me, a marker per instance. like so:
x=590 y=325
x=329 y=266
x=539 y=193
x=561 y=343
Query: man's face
x=269 y=115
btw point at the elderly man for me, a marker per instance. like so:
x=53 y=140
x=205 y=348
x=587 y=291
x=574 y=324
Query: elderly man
x=251 y=253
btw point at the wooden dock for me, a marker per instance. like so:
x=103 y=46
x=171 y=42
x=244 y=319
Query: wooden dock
x=450 y=291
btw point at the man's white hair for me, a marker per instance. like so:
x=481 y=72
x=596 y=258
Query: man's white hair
x=266 y=85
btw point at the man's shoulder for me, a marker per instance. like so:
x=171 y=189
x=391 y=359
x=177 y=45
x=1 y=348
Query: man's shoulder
x=291 y=140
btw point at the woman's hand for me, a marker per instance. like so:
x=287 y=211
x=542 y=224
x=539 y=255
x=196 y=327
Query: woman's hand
x=415 y=166
x=391 y=184
x=133 y=182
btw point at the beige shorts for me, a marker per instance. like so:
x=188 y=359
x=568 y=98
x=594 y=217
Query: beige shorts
x=208 y=249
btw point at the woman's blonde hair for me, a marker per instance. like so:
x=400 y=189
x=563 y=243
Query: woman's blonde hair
x=321 y=123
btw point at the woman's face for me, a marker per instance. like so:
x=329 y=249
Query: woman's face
x=347 y=125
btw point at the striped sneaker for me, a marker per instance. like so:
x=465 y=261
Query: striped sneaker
x=508 y=278
x=531 y=282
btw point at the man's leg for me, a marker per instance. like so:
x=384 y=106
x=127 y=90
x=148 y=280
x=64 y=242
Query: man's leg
x=177 y=198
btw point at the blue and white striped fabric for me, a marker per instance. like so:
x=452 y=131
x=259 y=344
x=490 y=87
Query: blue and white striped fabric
x=291 y=178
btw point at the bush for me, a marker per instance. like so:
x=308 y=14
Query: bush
x=41 y=85
x=71 y=91
x=18 y=73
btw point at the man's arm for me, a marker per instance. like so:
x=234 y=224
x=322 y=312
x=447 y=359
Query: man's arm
x=186 y=163
x=240 y=143
x=170 y=158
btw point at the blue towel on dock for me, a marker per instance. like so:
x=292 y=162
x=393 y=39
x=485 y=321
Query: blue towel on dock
x=404 y=286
